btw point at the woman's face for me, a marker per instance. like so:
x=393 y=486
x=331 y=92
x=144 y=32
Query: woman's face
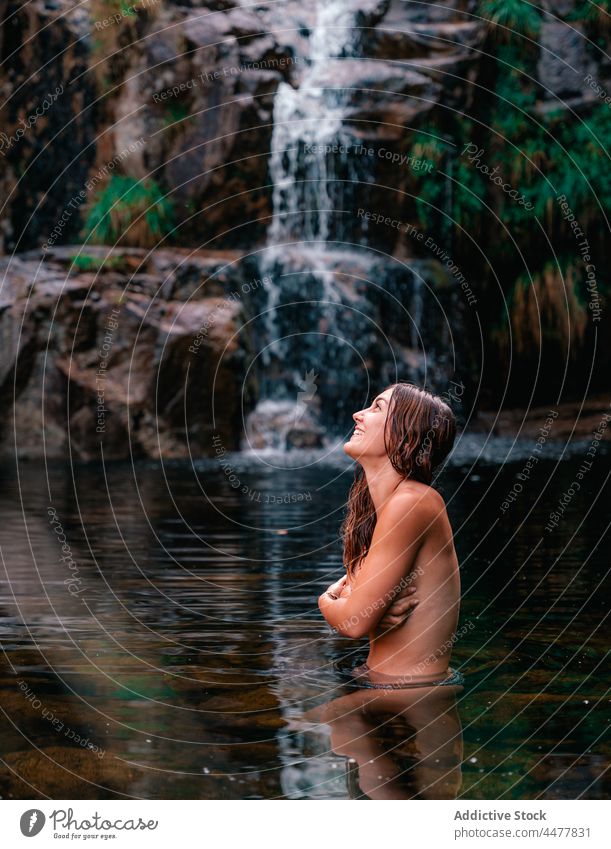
x=367 y=439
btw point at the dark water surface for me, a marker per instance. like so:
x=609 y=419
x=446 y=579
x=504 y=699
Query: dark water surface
x=177 y=651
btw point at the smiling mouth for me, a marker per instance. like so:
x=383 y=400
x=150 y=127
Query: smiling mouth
x=357 y=432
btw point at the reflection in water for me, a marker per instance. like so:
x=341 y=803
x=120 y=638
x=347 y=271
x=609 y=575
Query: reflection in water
x=180 y=659
x=403 y=743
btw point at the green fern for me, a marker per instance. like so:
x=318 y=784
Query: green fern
x=129 y=212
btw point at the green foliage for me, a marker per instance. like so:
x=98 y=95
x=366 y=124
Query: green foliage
x=512 y=17
x=545 y=154
x=561 y=158
x=515 y=94
x=469 y=195
x=540 y=154
x=457 y=197
x=429 y=193
x=130 y=212
x=87 y=262
x=175 y=113
x=592 y=13
x=548 y=307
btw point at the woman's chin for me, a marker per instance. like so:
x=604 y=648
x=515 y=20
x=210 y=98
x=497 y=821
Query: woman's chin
x=351 y=449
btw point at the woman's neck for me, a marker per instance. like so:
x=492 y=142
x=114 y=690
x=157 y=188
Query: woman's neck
x=382 y=481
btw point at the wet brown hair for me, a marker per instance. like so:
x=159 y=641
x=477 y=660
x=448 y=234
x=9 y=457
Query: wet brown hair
x=419 y=433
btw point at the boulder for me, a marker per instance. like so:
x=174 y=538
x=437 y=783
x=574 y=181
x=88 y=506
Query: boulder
x=282 y=425
x=144 y=362
x=380 y=99
x=563 y=60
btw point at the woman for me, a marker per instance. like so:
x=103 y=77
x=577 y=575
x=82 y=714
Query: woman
x=398 y=542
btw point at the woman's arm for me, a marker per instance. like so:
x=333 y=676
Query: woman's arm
x=397 y=538
x=334 y=591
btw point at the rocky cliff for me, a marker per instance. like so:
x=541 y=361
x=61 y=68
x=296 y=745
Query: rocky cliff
x=275 y=143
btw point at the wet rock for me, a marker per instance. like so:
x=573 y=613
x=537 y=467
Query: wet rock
x=446 y=10
x=563 y=61
x=282 y=425
x=561 y=8
x=124 y=361
x=410 y=40
x=212 y=112
x=406 y=94
x=574 y=420
x=42 y=106
x=197 y=83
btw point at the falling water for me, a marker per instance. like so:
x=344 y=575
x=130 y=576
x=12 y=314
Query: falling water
x=317 y=315
x=307 y=122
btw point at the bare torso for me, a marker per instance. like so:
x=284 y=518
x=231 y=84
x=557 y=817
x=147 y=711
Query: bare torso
x=419 y=650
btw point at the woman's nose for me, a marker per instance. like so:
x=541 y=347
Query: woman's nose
x=355 y=416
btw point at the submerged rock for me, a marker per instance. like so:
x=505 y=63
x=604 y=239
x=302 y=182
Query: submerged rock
x=282 y=425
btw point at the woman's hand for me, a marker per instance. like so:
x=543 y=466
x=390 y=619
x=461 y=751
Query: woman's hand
x=337 y=589
x=403 y=605
x=346 y=589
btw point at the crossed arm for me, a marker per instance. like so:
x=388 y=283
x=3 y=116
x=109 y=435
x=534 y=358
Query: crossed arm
x=384 y=573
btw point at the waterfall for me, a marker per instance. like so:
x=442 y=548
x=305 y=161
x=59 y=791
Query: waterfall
x=327 y=307
x=308 y=121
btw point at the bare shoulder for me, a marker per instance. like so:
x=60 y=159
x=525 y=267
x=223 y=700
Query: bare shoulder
x=419 y=496
x=414 y=502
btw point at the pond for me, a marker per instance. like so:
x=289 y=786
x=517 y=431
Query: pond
x=162 y=639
